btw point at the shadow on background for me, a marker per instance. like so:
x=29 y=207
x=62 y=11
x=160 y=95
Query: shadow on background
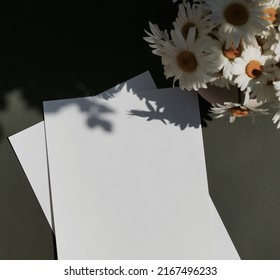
x=205 y=114
x=58 y=49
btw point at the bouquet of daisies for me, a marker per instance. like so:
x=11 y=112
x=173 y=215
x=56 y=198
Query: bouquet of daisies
x=225 y=43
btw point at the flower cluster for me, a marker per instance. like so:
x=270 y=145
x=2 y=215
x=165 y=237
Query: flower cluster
x=225 y=43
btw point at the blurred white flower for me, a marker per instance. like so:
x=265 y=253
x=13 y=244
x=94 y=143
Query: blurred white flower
x=276 y=85
x=191 y=16
x=236 y=110
x=249 y=69
x=155 y=37
x=276 y=118
x=275 y=45
x=237 y=19
x=224 y=57
x=186 y=60
x=265 y=93
x=268 y=40
x=271 y=11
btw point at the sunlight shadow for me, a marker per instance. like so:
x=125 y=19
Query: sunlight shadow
x=170 y=106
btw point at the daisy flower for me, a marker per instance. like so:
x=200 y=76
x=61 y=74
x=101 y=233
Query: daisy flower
x=191 y=16
x=155 y=37
x=237 y=110
x=274 y=44
x=268 y=40
x=225 y=44
x=276 y=118
x=224 y=57
x=276 y=86
x=272 y=67
x=271 y=12
x=187 y=61
x=265 y=93
x=237 y=19
x=249 y=68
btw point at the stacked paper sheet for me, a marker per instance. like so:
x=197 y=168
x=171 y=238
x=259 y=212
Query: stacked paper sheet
x=122 y=175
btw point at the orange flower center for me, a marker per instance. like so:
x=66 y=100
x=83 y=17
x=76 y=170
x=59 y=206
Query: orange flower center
x=253 y=69
x=236 y=14
x=187 y=61
x=239 y=112
x=232 y=53
x=185 y=29
x=271 y=15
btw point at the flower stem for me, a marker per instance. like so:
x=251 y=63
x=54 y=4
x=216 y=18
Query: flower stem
x=240 y=101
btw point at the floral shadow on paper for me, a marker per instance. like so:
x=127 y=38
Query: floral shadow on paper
x=97 y=107
x=181 y=109
x=96 y=111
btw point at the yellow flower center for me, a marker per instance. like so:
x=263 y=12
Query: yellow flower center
x=271 y=15
x=239 y=112
x=185 y=29
x=254 y=69
x=232 y=52
x=236 y=14
x=187 y=61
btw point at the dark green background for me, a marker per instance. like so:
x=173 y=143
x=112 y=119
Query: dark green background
x=61 y=49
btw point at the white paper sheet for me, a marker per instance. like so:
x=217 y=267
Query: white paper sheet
x=29 y=146
x=129 y=182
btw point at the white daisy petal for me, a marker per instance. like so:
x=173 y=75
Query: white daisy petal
x=237 y=110
x=249 y=68
x=186 y=62
x=236 y=19
x=225 y=43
